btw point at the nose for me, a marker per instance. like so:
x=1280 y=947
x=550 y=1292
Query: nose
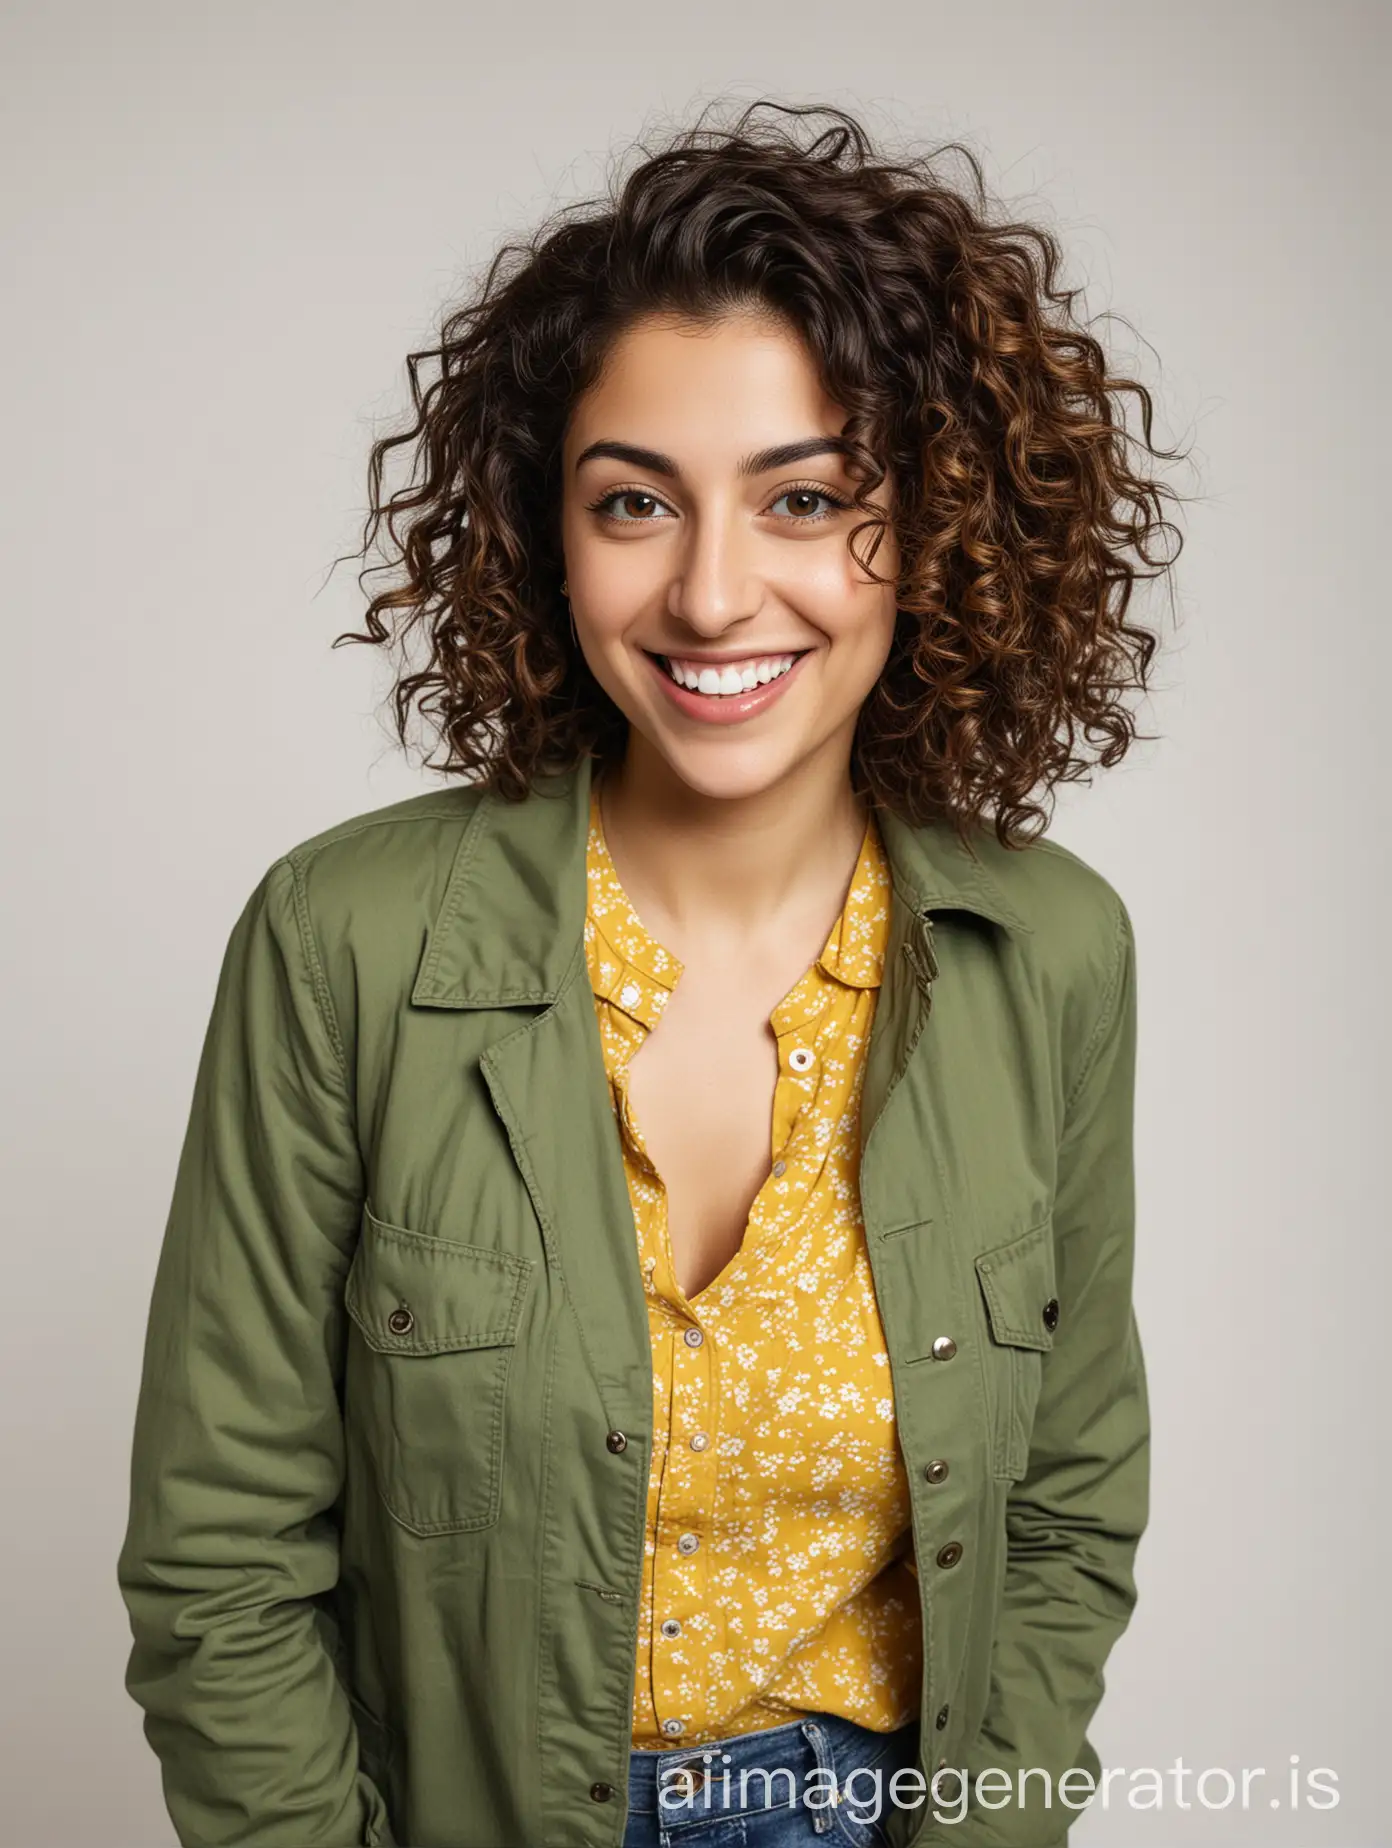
x=715 y=583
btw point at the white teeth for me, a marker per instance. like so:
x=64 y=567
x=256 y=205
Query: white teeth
x=732 y=678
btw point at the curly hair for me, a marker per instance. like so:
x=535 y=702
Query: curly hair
x=966 y=379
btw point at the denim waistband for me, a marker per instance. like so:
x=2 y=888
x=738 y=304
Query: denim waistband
x=702 y=1783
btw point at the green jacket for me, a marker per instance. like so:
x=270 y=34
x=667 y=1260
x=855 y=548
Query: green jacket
x=388 y=1484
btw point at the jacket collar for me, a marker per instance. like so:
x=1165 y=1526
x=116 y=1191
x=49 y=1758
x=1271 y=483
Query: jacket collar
x=510 y=927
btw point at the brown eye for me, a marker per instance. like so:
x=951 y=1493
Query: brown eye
x=807 y=505
x=627 y=506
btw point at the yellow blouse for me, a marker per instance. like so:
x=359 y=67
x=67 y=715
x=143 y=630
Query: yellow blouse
x=778 y=1578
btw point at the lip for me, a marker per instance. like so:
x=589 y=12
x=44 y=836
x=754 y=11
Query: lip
x=731 y=707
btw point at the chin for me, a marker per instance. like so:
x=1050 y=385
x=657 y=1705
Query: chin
x=728 y=772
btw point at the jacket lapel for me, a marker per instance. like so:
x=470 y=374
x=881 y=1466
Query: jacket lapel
x=932 y=873
x=510 y=934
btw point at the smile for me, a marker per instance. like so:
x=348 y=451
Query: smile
x=730 y=677
x=726 y=694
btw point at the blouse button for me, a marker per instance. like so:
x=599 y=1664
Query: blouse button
x=688 y=1543
x=671 y=1627
x=673 y=1727
x=699 y=1440
x=628 y=994
x=401 y=1321
x=693 y=1337
x=800 y=1059
x=780 y=1167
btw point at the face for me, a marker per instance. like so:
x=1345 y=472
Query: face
x=705 y=519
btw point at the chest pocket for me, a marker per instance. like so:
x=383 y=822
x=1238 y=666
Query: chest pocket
x=1022 y=1311
x=434 y=1328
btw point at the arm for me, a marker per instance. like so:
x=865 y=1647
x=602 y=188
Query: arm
x=238 y=1447
x=1075 y=1520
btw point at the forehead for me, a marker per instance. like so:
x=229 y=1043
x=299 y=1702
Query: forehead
x=720 y=388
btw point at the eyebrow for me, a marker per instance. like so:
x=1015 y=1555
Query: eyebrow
x=782 y=455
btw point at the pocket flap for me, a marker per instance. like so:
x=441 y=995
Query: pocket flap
x=1017 y=1280
x=410 y=1293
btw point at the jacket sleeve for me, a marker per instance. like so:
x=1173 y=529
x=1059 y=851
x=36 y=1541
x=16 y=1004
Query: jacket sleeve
x=237 y=1459
x=1075 y=1520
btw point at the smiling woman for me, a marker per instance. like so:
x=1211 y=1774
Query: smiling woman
x=648 y=1286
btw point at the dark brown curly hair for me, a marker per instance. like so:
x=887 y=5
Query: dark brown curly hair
x=966 y=378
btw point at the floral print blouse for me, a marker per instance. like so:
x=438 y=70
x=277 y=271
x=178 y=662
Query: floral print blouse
x=778 y=1575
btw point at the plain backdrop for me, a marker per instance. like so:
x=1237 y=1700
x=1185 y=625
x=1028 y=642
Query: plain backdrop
x=224 y=228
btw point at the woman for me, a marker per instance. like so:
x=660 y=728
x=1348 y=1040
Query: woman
x=642 y=1350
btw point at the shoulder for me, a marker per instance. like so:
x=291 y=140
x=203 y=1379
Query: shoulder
x=1062 y=898
x=372 y=875
x=1079 y=940
x=412 y=826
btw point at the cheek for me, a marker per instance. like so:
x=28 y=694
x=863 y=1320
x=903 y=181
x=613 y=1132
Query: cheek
x=615 y=584
x=828 y=578
x=856 y=616
x=861 y=639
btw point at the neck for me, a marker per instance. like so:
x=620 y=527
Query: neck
x=709 y=874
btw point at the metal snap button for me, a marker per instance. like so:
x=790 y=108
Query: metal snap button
x=936 y=1471
x=689 y=1776
x=949 y=1555
x=601 y=1793
x=401 y=1321
x=616 y=1441
x=941 y=1720
x=1051 y=1313
x=944 y=1348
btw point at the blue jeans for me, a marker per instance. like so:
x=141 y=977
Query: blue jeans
x=696 y=1798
